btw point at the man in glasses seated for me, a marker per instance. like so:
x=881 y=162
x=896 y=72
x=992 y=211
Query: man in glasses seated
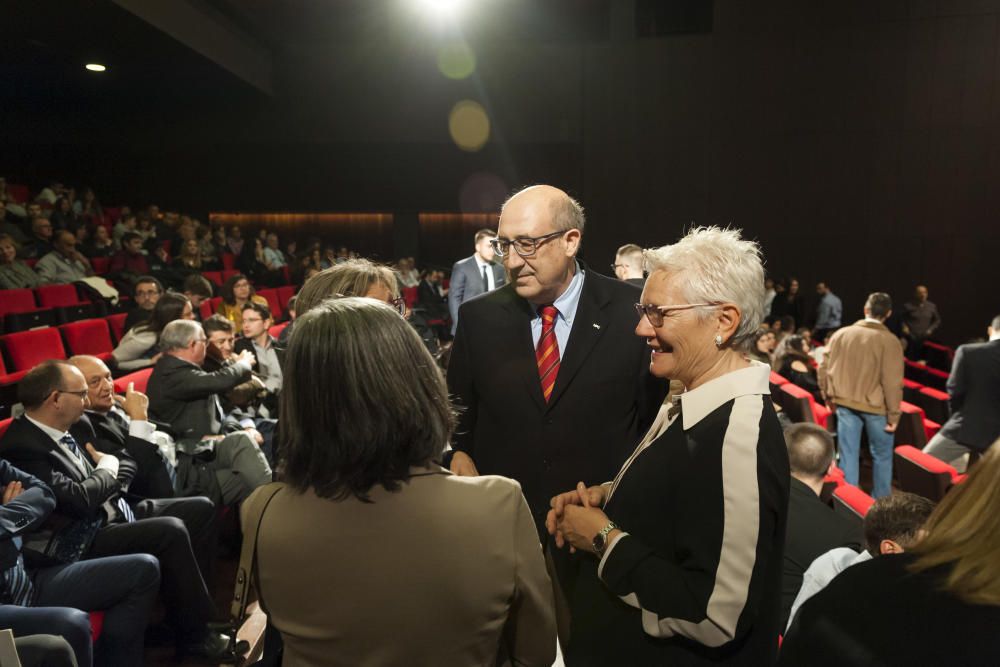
x=554 y=384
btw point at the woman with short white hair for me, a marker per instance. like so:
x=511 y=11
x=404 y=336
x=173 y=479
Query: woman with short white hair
x=682 y=551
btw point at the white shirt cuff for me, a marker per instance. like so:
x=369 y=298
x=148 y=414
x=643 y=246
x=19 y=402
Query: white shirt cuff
x=607 y=552
x=109 y=463
x=244 y=365
x=139 y=428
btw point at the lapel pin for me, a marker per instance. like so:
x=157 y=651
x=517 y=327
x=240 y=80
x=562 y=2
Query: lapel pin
x=596 y=325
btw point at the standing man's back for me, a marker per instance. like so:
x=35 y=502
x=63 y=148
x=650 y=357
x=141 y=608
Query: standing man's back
x=554 y=384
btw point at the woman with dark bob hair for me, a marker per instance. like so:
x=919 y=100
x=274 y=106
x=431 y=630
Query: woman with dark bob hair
x=371 y=553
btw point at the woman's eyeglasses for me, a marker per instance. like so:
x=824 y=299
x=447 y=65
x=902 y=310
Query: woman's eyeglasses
x=657 y=313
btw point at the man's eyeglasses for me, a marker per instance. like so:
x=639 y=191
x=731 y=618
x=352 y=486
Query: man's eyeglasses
x=82 y=394
x=615 y=267
x=399 y=303
x=657 y=313
x=524 y=246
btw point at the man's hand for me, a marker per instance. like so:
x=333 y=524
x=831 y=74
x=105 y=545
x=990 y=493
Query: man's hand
x=255 y=434
x=246 y=356
x=463 y=466
x=582 y=496
x=11 y=491
x=134 y=403
x=95 y=455
x=891 y=428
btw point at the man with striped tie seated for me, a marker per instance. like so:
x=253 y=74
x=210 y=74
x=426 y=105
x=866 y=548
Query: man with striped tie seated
x=92 y=518
x=55 y=599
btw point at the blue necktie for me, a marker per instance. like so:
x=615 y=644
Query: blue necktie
x=18 y=586
x=122 y=506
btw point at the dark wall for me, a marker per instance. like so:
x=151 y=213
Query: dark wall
x=857 y=141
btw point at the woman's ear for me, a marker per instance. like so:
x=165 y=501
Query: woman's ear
x=729 y=318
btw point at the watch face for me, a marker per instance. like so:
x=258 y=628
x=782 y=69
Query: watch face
x=599 y=541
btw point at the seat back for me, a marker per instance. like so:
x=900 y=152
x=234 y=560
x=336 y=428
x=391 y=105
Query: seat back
x=16 y=301
x=27 y=349
x=273 y=303
x=88 y=337
x=117 y=324
x=910 y=430
x=938 y=356
x=4 y=425
x=936 y=379
x=800 y=405
x=100 y=265
x=935 y=404
x=923 y=474
x=139 y=378
x=276 y=330
x=57 y=296
x=228 y=261
x=214 y=277
x=851 y=501
x=285 y=294
x=911 y=390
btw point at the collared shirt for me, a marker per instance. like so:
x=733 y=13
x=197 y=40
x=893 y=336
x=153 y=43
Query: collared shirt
x=566 y=304
x=822 y=571
x=268 y=366
x=274 y=257
x=144 y=430
x=921 y=318
x=57 y=269
x=490 y=279
x=829 y=312
x=107 y=462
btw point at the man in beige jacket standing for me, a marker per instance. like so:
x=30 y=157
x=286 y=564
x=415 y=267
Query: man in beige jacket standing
x=861 y=377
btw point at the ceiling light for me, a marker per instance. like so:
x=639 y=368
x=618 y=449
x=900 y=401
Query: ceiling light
x=95 y=67
x=442 y=7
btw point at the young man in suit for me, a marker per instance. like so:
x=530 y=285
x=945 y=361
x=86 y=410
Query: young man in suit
x=474 y=275
x=554 y=383
x=92 y=518
x=974 y=388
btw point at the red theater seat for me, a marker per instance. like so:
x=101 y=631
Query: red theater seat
x=285 y=294
x=851 y=500
x=18 y=311
x=410 y=296
x=17 y=193
x=205 y=309
x=923 y=474
x=935 y=378
x=228 y=261
x=117 y=324
x=100 y=265
x=276 y=330
x=911 y=390
x=935 y=404
x=139 y=378
x=27 y=349
x=214 y=277
x=16 y=301
x=910 y=430
x=57 y=296
x=228 y=273
x=88 y=337
x=938 y=356
x=4 y=425
x=273 y=302
x=800 y=405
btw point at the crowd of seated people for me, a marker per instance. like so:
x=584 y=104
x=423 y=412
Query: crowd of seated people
x=203 y=435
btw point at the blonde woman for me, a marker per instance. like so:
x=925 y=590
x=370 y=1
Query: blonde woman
x=936 y=604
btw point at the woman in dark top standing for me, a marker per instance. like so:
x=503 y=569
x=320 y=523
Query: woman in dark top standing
x=683 y=551
x=796 y=366
x=790 y=302
x=937 y=604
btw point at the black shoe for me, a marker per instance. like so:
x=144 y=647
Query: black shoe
x=213 y=647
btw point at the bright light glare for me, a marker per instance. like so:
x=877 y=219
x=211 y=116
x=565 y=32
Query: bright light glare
x=442 y=7
x=95 y=67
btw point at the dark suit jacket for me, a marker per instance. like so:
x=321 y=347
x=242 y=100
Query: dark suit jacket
x=813 y=529
x=151 y=478
x=603 y=400
x=974 y=386
x=22 y=514
x=430 y=299
x=467 y=283
x=78 y=495
x=185 y=396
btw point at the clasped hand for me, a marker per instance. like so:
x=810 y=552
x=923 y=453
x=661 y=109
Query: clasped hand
x=576 y=517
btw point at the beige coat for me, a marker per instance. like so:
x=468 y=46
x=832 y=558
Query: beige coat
x=439 y=573
x=863 y=370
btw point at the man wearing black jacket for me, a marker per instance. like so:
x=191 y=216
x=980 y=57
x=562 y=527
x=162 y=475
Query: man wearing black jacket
x=92 y=518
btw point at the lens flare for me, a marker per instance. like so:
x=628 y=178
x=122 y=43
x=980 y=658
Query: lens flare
x=469 y=125
x=456 y=60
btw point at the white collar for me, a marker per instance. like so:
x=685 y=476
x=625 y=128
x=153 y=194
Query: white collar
x=479 y=261
x=697 y=404
x=53 y=433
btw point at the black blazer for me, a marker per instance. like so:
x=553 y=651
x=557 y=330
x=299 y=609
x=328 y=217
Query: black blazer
x=429 y=298
x=813 y=529
x=185 y=396
x=603 y=400
x=974 y=386
x=24 y=513
x=151 y=477
x=78 y=495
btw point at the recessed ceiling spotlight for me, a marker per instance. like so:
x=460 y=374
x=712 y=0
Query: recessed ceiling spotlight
x=442 y=8
x=95 y=67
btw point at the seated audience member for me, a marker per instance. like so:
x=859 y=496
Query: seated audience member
x=62 y=216
x=182 y=394
x=126 y=224
x=795 y=365
x=14 y=274
x=148 y=291
x=129 y=263
x=274 y=259
x=360 y=470
x=121 y=423
x=893 y=525
x=813 y=527
x=250 y=262
x=138 y=347
x=762 y=346
x=236 y=292
x=235 y=240
x=40 y=243
x=432 y=297
x=55 y=598
x=9 y=227
x=936 y=604
x=258 y=341
x=197 y=289
x=65 y=264
x=287 y=331
x=87 y=207
x=188 y=259
x=93 y=520
x=221 y=339
x=100 y=244
x=206 y=248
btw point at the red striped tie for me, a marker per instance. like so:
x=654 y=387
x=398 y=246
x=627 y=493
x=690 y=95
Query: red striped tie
x=547 y=351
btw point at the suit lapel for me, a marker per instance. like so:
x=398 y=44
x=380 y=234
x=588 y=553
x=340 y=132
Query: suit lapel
x=589 y=325
x=499 y=276
x=66 y=465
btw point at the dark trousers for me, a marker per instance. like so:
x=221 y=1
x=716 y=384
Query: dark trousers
x=72 y=625
x=44 y=651
x=181 y=533
x=123 y=587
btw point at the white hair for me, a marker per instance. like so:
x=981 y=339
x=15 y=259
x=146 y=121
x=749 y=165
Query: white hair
x=178 y=334
x=718 y=266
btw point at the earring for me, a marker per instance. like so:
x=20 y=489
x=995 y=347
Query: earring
x=718 y=340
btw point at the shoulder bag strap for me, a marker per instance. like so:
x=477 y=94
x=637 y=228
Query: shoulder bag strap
x=251 y=530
